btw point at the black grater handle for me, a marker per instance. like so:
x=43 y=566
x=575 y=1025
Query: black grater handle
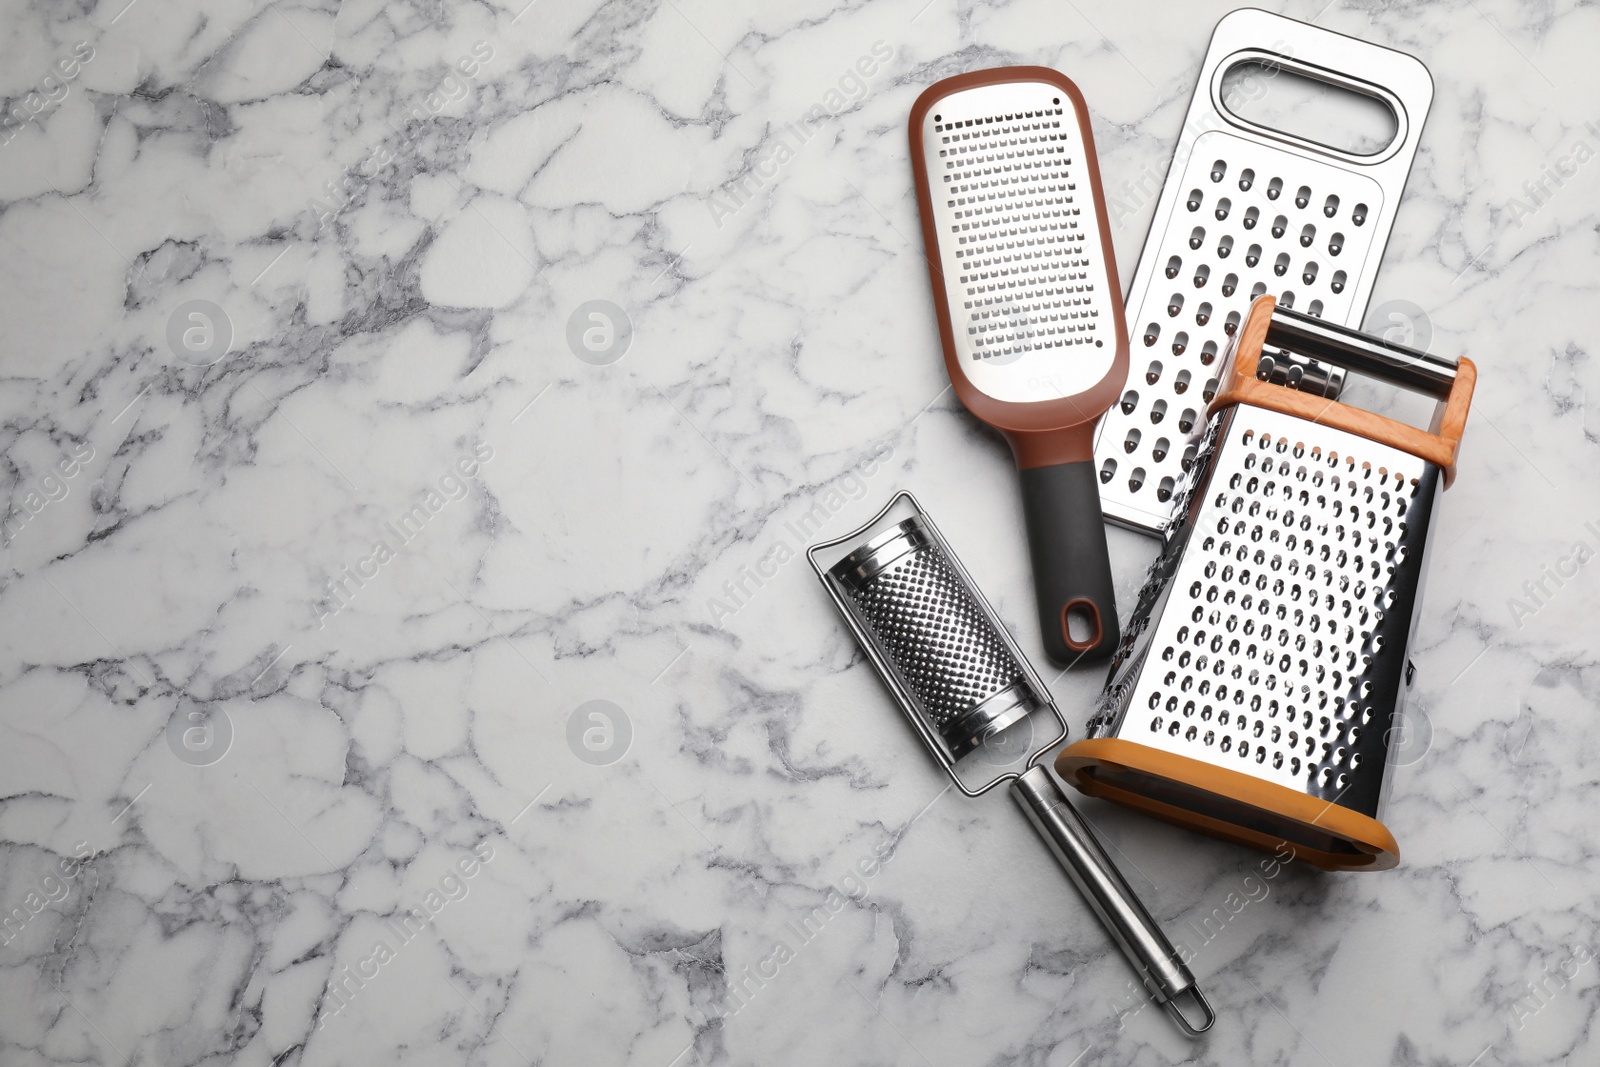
x=1071 y=571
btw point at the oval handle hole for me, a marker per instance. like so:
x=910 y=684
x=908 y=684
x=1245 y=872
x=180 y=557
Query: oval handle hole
x=1080 y=624
x=1345 y=120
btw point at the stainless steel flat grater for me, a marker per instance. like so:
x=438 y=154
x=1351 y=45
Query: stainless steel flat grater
x=1255 y=691
x=1025 y=292
x=970 y=694
x=1245 y=210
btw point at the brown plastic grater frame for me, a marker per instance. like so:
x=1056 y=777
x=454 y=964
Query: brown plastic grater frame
x=1042 y=433
x=1020 y=151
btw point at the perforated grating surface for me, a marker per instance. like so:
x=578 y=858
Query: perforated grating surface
x=1025 y=279
x=1017 y=227
x=1273 y=653
x=1250 y=220
x=935 y=633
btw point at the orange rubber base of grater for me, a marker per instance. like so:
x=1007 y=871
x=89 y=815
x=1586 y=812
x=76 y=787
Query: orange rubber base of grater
x=1229 y=805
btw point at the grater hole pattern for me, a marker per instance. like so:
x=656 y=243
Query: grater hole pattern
x=1026 y=281
x=1279 y=625
x=937 y=636
x=1242 y=226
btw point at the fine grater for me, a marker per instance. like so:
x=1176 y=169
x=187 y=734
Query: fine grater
x=1257 y=687
x=1025 y=291
x=1246 y=210
x=969 y=693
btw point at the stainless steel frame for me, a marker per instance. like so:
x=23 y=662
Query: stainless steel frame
x=948 y=736
x=1147 y=444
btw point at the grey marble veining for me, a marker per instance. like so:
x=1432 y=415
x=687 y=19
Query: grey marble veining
x=401 y=665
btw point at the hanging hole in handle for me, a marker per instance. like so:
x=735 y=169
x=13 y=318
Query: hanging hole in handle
x=1321 y=111
x=1080 y=624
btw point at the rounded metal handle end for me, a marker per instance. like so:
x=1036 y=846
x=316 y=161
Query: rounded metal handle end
x=1176 y=1012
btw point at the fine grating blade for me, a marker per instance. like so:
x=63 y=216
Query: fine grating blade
x=1024 y=270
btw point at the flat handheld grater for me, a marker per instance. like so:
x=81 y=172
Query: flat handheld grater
x=1246 y=210
x=1025 y=291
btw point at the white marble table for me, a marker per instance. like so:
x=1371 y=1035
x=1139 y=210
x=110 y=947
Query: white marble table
x=320 y=539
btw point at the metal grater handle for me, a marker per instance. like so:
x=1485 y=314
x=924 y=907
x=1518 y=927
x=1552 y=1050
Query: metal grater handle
x=1121 y=912
x=1328 y=342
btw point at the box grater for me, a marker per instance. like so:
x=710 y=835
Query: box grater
x=1245 y=210
x=970 y=694
x=1254 y=693
x=1025 y=291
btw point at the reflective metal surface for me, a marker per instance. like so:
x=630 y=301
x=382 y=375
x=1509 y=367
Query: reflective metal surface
x=964 y=678
x=1247 y=210
x=1294 y=371
x=1353 y=350
x=1108 y=894
x=1024 y=271
x=1271 y=635
x=951 y=665
x=960 y=680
